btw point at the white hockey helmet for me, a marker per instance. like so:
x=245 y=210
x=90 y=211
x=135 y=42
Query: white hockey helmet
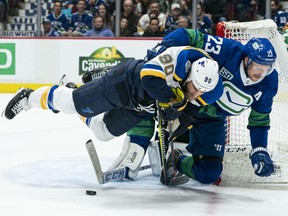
x=204 y=74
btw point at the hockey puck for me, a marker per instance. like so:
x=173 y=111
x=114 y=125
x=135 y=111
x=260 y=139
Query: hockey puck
x=91 y=192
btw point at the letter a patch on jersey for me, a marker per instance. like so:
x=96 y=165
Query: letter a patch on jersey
x=258 y=95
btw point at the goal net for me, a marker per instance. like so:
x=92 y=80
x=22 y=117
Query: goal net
x=237 y=165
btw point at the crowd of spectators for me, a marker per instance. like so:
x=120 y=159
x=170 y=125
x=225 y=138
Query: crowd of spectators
x=139 y=18
x=148 y=18
x=155 y=18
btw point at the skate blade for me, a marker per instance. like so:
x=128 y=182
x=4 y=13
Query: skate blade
x=178 y=181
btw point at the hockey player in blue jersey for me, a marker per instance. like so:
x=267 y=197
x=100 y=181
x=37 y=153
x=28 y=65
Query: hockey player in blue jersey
x=127 y=94
x=249 y=80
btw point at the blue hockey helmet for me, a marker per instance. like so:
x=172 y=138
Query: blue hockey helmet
x=261 y=51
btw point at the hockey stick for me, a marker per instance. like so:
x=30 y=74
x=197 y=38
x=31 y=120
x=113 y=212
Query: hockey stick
x=176 y=180
x=161 y=133
x=171 y=145
x=110 y=176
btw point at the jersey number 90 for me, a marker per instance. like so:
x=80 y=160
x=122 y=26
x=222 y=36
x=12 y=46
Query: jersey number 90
x=167 y=61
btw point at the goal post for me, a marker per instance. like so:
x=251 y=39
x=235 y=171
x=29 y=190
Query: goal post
x=237 y=166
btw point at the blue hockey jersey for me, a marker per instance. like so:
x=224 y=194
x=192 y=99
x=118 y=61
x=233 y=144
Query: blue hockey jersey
x=81 y=22
x=281 y=18
x=240 y=92
x=59 y=23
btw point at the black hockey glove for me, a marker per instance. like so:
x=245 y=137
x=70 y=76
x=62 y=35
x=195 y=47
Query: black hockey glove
x=186 y=120
x=261 y=162
x=172 y=112
x=94 y=74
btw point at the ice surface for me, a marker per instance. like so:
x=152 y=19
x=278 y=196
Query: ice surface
x=45 y=170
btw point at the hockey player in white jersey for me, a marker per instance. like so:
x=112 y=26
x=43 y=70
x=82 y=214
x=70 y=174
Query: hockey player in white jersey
x=127 y=94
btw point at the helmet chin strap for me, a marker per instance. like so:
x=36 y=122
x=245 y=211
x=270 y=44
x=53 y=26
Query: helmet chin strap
x=184 y=86
x=245 y=67
x=249 y=62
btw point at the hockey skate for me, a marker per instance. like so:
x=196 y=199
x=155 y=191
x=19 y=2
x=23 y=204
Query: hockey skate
x=174 y=176
x=17 y=103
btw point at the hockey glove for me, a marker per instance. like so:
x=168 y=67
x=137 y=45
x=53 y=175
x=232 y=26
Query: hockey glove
x=94 y=74
x=185 y=124
x=179 y=38
x=172 y=112
x=186 y=120
x=158 y=49
x=261 y=162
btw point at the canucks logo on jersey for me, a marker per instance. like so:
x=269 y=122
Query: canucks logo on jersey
x=233 y=100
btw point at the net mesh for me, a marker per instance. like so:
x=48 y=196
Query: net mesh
x=237 y=165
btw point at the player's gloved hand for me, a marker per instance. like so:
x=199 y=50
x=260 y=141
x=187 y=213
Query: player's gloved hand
x=94 y=74
x=186 y=120
x=170 y=112
x=152 y=53
x=261 y=162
